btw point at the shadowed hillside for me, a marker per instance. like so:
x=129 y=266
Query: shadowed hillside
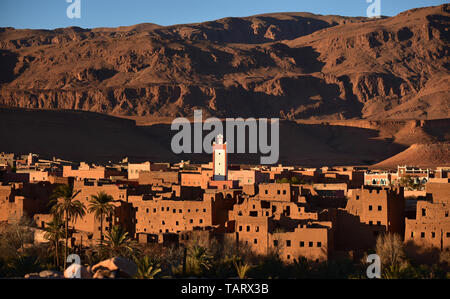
x=90 y=136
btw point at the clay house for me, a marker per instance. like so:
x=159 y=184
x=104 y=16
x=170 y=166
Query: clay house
x=135 y=169
x=429 y=233
x=159 y=177
x=421 y=176
x=123 y=214
x=442 y=173
x=86 y=171
x=278 y=219
x=326 y=195
x=24 y=200
x=248 y=177
x=7 y=159
x=353 y=177
x=35 y=176
x=179 y=212
x=369 y=212
x=312 y=240
x=379 y=178
x=199 y=179
x=289 y=237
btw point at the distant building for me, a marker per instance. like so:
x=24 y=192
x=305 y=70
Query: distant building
x=135 y=169
x=85 y=171
x=429 y=233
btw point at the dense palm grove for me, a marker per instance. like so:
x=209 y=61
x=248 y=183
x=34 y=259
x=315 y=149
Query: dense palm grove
x=19 y=256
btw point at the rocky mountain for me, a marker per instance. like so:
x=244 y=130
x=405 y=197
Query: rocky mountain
x=288 y=65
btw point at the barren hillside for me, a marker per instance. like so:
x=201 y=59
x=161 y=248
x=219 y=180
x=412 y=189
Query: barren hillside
x=423 y=155
x=289 y=65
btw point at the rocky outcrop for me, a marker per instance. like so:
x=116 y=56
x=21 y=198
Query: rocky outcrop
x=77 y=271
x=46 y=274
x=114 y=268
x=288 y=65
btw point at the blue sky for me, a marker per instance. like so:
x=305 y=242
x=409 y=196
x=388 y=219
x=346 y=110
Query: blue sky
x=50 y=14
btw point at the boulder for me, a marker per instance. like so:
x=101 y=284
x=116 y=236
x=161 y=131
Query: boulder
x=104 y=273
x=32 y=276
x=51 y=274
x=72 y=270
x=122 y=266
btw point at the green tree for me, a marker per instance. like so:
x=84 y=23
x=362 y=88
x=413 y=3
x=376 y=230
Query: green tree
x=301 y=267
x=147 y=268
x=284 y=181
x=66 y=207
x=101 y=205
x=242 y=269
x=23 y=264
x=54 y=232
x=118 y=243
x=295 y=180
x=198 y=261
x=408 y=182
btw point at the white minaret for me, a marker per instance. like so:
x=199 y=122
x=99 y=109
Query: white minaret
x=220 y=169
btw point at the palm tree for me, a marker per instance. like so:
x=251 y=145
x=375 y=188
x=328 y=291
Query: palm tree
x=65 y=206
x=147 y=268
x=118 y=242
x=101 y=204
x=242 y=269
x=301 y=267
x=199 y=259
x=54 y=232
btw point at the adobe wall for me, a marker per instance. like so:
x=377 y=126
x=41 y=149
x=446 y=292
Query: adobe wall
x=172 y=216
x=158 y=177
x=42 y=219
x=308 y=242
x=253 y=231
x=196 y=179
x=380 y=207
x=38 y=176
x=277 y=192
x=440 y=192
x=89 y=223
x=135 y=169
x=332 y=187
x=247 y=177
x=96 y=173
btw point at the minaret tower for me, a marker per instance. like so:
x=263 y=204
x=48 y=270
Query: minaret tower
x=220 y=169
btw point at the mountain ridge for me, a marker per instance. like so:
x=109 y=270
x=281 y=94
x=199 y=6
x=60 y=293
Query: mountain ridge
x=288 y=65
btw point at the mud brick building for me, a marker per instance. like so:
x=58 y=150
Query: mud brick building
x=430 y=230
x=123 y=214
x=159 y=178
x=85 y=171
x=277 y=219
x=160 y=215
x=24 y=200
x=369 y=212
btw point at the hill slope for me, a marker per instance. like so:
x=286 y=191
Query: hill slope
x=423 y=155
x=288 y=65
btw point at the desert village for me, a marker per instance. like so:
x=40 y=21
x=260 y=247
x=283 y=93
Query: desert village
x=320 y=214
